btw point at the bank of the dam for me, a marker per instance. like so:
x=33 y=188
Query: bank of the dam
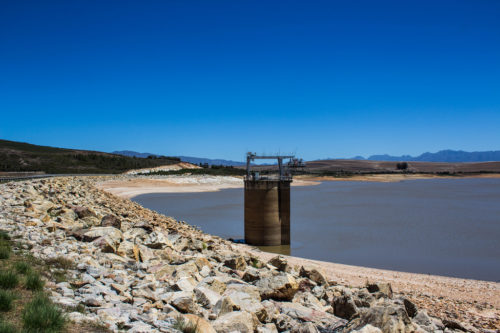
x=142 y=271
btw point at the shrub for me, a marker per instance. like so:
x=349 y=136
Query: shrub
x=6 y=298
x=22 y=267
x=34 y=282
x=8 y=279
x=41 y=315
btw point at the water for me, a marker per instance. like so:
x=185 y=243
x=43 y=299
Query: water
x=447 y=227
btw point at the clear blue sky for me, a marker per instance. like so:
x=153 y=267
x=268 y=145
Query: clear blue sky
x=218 y=78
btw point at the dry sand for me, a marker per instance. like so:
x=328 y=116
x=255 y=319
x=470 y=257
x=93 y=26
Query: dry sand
x=387 y=178
x=466 y=300
x=131 y=187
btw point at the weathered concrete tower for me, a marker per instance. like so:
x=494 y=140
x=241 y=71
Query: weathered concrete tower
x=267 y=205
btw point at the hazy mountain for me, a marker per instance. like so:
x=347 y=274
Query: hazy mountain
x=452 y=156
x=190 y=159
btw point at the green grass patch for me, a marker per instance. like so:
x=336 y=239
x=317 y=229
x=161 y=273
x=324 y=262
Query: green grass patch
x=34 y=282
x=6 y=327
x=41 y=315
x=22 y=267
x=6 y=299
x=4 y=251
x=8 y=279
x=4 y=235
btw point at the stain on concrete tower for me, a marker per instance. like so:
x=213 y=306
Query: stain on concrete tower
x=267 y=204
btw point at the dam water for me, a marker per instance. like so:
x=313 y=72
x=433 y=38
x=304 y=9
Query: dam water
x=446 y=227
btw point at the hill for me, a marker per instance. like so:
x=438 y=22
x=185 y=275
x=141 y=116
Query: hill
x=451 y=156
x=20 y=157
x=189 y=159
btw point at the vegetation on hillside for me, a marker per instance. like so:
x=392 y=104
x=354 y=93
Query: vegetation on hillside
x=20 y=157
x=214 y=170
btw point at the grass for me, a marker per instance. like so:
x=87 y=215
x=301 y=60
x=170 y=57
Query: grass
x=60 y=262
x=8 y=279
x=6 y=299
x=185 y=326
x=34 y=282
x=6 y=327
x=41 y=315
x=22 y=267
x=4 y=235
x=4 y=251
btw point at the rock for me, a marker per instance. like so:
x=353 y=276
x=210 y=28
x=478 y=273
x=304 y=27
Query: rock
x=368 y=329
x=112 y=233
x=315 y=275
x=424 y=321
x=280 y=263
x=82 y=211
x=344 y=307
x=105 y=244
x=267 y=328
x=111 y=221
x=202 y=326
x=237 y=263
x=323 y=320
x=384 y=288
x=206 y=297
x=156 y=240
x=411 y=308
x=280 y=287
x=225 y=305
x=454 y=325
x=145 y=253
x=184 y=302
x=126 y=249
x=389 y=318
x=184 y=284
x=308 y=300
x=249 y=302
x=237 y=321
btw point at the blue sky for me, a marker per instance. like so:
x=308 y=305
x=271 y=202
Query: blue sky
x=219 y=78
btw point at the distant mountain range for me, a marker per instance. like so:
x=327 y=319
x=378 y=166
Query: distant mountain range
x=451 y=156
x=190 y=159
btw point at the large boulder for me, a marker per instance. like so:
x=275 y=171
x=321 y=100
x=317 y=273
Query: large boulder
x=315 y=275
x=111 y=221
x=344 y=306
x=83 y=212
x=280 y=263
x=323 y=320
x=282 y=286
x=112 y=233
x=202 y=326
x=237 y=263
x=157 y=240
x=389 y=317
x=237 y=321
x=382 y=289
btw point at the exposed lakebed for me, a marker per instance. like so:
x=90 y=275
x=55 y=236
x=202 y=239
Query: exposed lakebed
x=440 y=226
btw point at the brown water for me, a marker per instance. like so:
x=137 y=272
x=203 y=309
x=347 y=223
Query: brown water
x=447 y=226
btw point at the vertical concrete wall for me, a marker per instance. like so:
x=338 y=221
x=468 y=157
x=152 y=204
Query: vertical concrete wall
x=267 y=212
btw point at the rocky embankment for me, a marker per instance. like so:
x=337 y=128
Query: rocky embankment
x=139 y=271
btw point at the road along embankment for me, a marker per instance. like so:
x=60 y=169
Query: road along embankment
x=141 y=271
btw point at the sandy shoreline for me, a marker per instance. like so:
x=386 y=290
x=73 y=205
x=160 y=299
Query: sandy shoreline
x=131 y=187
x=475 y=301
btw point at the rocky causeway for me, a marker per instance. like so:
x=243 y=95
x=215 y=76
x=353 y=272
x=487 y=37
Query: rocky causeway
x=140 y=271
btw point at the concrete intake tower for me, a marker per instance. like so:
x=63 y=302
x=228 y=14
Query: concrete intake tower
x=267 y=204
